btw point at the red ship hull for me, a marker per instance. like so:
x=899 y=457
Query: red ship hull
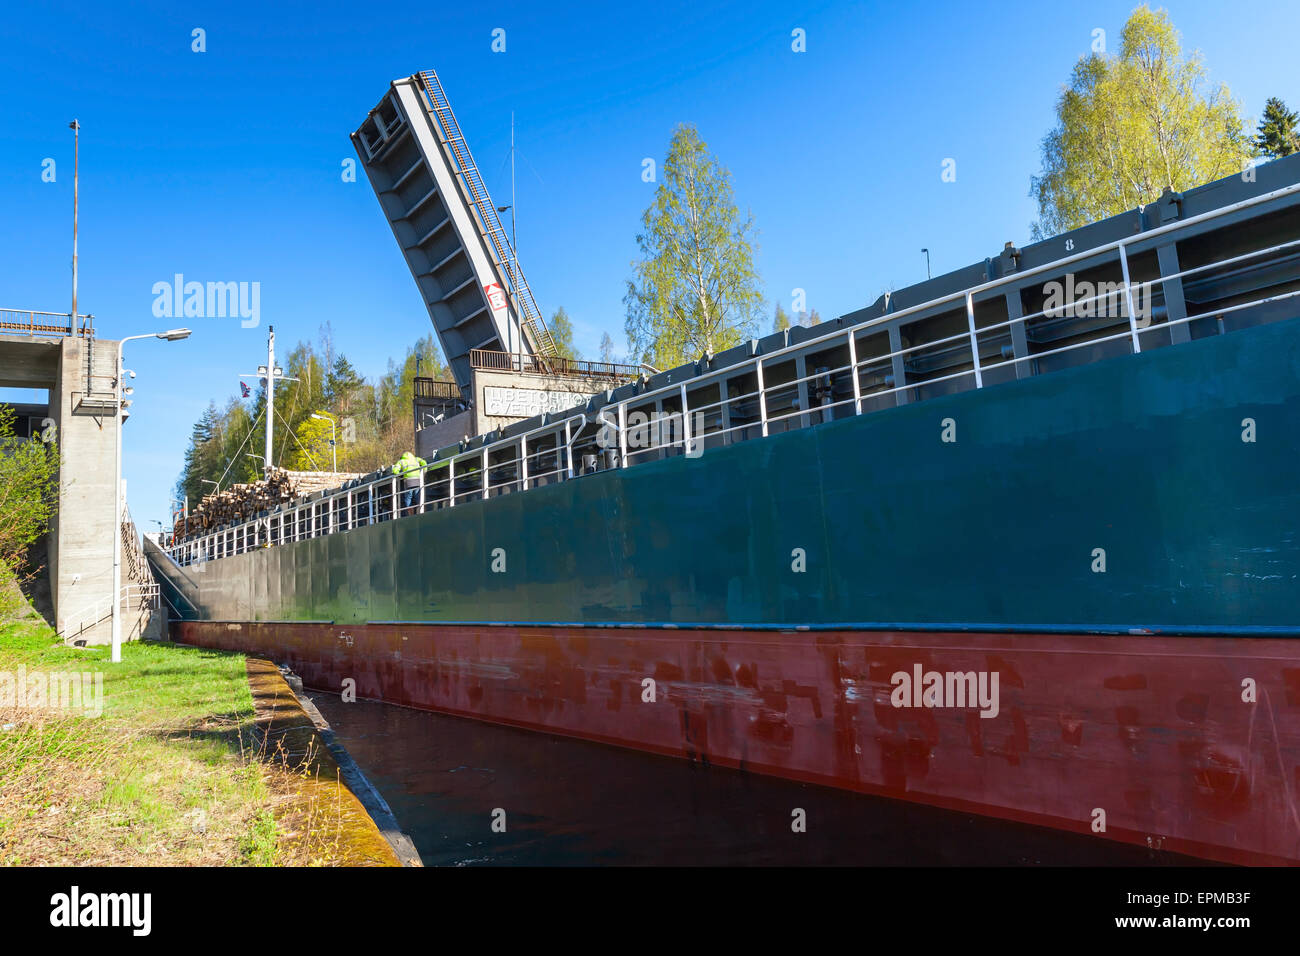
x=1187 y=744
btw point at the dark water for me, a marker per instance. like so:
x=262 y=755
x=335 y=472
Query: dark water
x=569 y=802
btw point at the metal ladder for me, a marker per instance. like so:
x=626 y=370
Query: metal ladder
x=488 y=221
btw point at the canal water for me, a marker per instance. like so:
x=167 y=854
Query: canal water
x=569 y=802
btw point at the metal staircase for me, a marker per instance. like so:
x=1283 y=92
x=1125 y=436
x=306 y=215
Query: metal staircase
x=139 y=598
x=488 y=221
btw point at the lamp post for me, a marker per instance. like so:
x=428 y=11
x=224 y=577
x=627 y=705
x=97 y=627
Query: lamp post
x=171 y=335
x=184 y=512
x=333 y=447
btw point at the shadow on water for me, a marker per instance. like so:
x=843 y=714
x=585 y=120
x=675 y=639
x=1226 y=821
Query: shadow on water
x=570 y=802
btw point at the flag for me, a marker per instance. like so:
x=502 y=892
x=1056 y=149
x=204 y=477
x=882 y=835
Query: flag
x=244 y=388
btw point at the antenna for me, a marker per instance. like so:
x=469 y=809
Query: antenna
x=270 y=373
x=516 y=330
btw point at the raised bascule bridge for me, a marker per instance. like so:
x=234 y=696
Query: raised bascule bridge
x=1020 y=540
x=502 y=356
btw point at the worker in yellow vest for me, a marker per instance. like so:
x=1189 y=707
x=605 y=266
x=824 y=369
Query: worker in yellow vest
x=410 y=469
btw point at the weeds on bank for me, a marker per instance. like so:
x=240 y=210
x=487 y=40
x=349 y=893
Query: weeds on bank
x=167 y=775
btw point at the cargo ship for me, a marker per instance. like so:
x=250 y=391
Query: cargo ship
x=1021 y=540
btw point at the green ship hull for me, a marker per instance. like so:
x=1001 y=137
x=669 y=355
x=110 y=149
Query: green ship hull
x=1153 y=492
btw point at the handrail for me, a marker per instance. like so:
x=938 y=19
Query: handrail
x=10 y=321
x=490 y=222
x=365 y=505
x=1010 y=278
x=83 y=622
x=493 y=359
x=434 y=389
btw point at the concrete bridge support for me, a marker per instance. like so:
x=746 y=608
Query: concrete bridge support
x=79 y=373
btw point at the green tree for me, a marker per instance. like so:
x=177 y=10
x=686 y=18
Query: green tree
x=607 y=353
x=238 y=442
x=29 y=469
x=203 y=456
x=310 y=449
x=696 y=288
x=374 y=422
x=562 y=331
x=1277 y=130
x=781 y=321
x=1132 y=124
x=341 y=383
x=300 y=394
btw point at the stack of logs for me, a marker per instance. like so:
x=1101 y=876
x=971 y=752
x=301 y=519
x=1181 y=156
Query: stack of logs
x=240 y=502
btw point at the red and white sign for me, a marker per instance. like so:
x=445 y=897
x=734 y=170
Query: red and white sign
x=496 y=296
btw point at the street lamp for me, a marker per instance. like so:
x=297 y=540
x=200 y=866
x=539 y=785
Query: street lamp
x=184 y=512
x=333 y=447
x=171 y=335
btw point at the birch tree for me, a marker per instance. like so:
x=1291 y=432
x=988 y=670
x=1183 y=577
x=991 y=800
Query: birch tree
x=1131 y=124
x=695 y=289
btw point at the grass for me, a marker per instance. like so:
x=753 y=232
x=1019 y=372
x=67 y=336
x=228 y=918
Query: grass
x=175 y=771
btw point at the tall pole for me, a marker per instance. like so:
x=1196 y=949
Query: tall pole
x=514 y=246
x=117 y=500
x=76 y=164
x=270 y=393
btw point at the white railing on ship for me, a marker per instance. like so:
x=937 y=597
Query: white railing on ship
x=382 y=499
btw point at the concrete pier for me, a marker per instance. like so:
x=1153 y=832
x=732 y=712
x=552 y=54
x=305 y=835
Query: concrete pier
x=78 y=370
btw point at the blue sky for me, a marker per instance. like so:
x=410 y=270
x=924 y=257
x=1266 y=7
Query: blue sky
x=225 y=165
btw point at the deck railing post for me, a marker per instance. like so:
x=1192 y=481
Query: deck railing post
x=1128 y=298
x=853 y=371
x=974 y=341
x=686 y=423
x=622 y=434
